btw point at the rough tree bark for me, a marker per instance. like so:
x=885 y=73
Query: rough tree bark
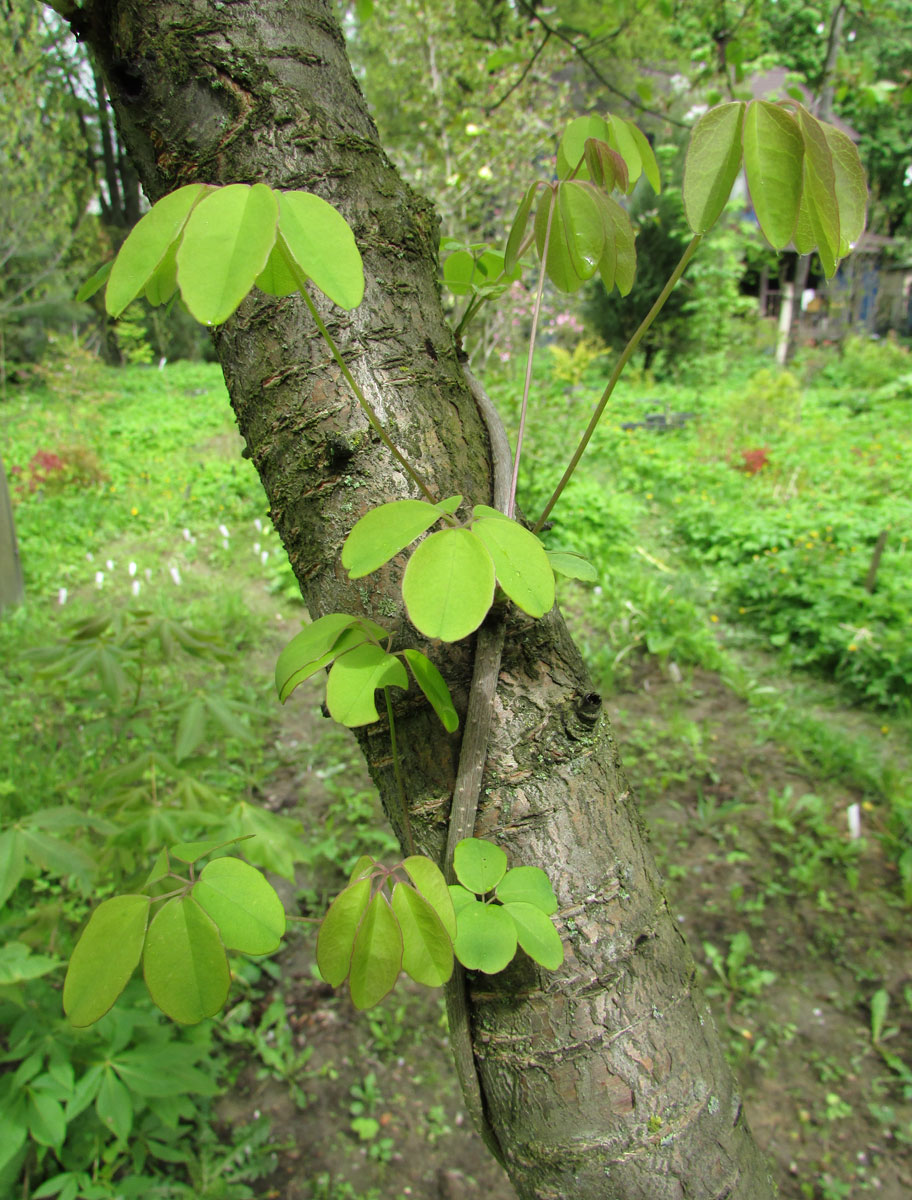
x=605 y=1078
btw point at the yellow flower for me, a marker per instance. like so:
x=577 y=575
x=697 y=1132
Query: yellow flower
x=852 y=646
x=134 y=512
x=714 y=618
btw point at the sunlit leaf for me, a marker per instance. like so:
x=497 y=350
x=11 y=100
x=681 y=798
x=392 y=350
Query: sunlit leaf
x=354 y=679
x=243 y=904
x=647 y=157
x=520 y=563
x=320 y=242
x=527 y=885
x=820 y=190
x=427 y=951
x=305 y=653
x=622 y=139
x=105 y=957
x=773 y=162
x=225 y=246
x=851 y=189
x=537 y=935
x=277 y=278
x=459 y=272
x=624 y=259
x=572 y=565
x=517 y=240
x=434 y=687
x=486 y=937
x=162 y=283
x=95 y=282
x=362 y=868
x=461 y=898
x=338 y=929
x=184 y=962
x=448 y=585
x=383 y=531
x=428 y=879
x=147 y=244
x=377 y=954
x=479 y=865
x=572 y=146
x=712 y=164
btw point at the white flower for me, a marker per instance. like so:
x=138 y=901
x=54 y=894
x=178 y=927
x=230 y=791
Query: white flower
x=62 y=596
x=90 y=557
x=135 y=587
x=99 y=578
x=188 y=536
x=110 y=564
x=225 y=543
x=176 y=576
x=853 y=816
x=224 y=532
x=256 y=547
x=264 y=557
x=131 y=569
x=258 y=524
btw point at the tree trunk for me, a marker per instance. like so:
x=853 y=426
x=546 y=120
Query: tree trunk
x=606 y=1077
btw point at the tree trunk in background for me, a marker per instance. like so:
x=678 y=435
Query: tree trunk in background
x=606 y=1077
x=12 y=590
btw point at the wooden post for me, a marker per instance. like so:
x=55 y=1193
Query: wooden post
x=785 y=322
x=12 y=590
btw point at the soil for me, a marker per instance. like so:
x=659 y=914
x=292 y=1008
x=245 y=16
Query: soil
x=821 y=1100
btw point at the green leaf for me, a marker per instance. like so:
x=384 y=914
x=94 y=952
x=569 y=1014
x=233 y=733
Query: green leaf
x=537 y=935
x=572 y=565
x=85 y=1091
x=582 y=226
x=428 y=879
x=773 y=162
x=461 y=898
x=147 y=244
x=162 y=283
x=448 y=585
x=450 y=505
x=319 y=241
x=624 y=259
x=354 y=679
x=18 y=963
x=621 y=138
x=376 y=955
x=277 y=277
x=362 y=868
x=307 y=650
x=12 y=862
x=114 y=1106
x=383 y=531
x=516 y=242
x=95 y=282
x=478 y=864
x=851 y=189
x=105 y=957
x=47 y=1123
x=225 y=246
x=459 y=272
x=244 y=906
x=427 y=951
x=224 y=713
x=191 y=852
x=647 y=156
x=486 y=939
x=337 y=931
x=434 y=687
x=880 y=1003
x=527 y=885
x=520 y=562
x=572 y=146
x=605 y=166
x=184 y=962
x=711 y=164
x=191 y=729
x=820 y=190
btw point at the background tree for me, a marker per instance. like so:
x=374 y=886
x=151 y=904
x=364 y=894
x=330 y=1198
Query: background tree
x=571 y=1067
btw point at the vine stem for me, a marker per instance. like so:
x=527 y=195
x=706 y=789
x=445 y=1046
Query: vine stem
x=397 y=769
x=369 y=410
x=615 y=375
x=527 y=384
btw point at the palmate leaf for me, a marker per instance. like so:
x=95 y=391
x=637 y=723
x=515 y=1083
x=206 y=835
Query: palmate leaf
x=383 y=531
x=773 y=162
x=536 y=934
x=319 y=241
x=243 y=904
x=572 y=146
x=225 y=247
x=527 y=885
x=427 y=951
x=850 y=187
x=353 y=680
x=712 y=164
x=486 y=938
x=428 y=879
x=479 y=865
x=820 y=190
x=105 y=957
x=448 y=585
x=316 y=645
x=184 y=962
x=572 y=565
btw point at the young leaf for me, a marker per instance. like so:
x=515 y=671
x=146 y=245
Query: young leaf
x=428 y=879
x=582 y=225
x=486 y=937
x=605 y=166
x=478 y=864
x=621 y=138
x=161 y=868
x=448 y=585
x=773 y=162
x=572 y=146
x=572 y=565
x=820 y=190
x=711 y=164
x=319 y=240
x=624 y=258
x=354 y=679
x=244 y=906
x=191 y=852
x=338 y=929
x=377 y=954
x=851 y=189
x=225 y=246
x=520 y=563
x=308 y=647
x=277 y=278
x=434 y=687
x=105 y=957
x=461 y=898
x=516 y=242
x=427 y=951
x=383 y=531
x=362 y=869
x=647 y=157
x=459 y=272
x=162 y=283
x=527 y=885
x=537 y=935
x=184 y=962
x=147 y=244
